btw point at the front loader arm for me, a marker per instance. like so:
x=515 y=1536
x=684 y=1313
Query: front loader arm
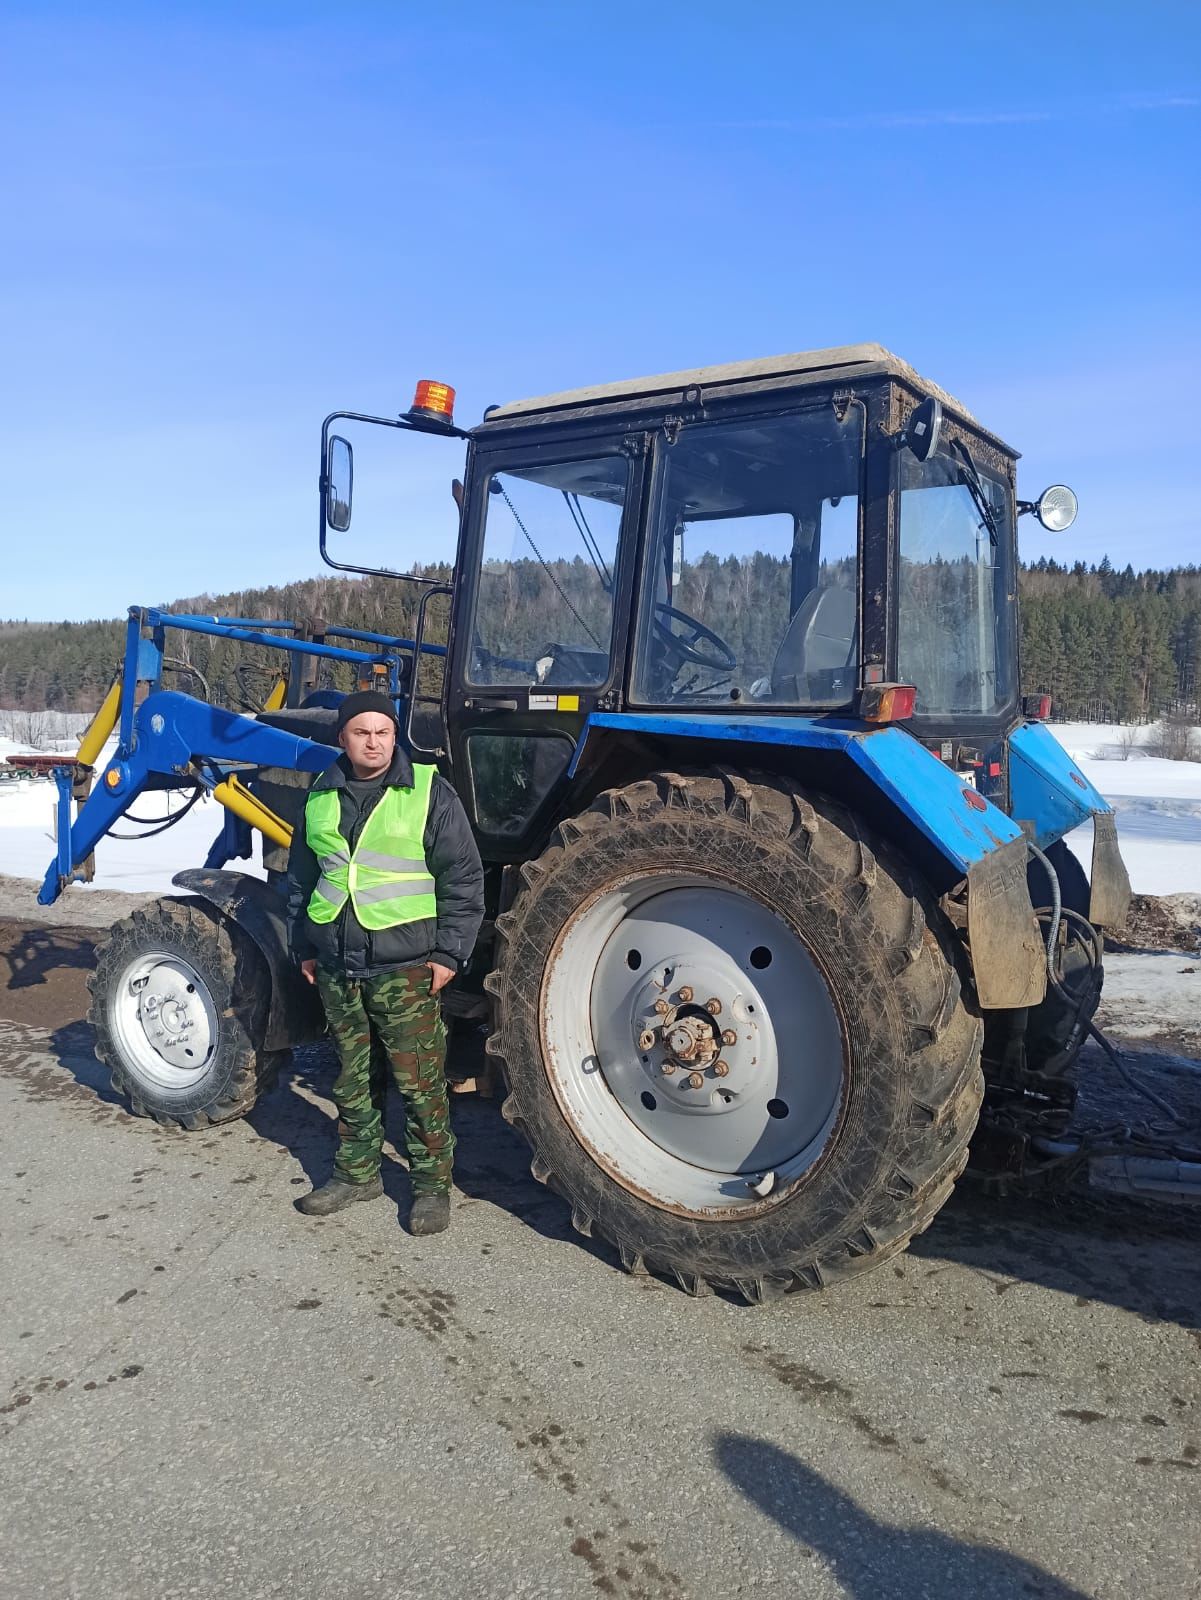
x=170 y=732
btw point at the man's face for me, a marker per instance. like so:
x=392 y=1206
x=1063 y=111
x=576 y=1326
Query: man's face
x=370 y=741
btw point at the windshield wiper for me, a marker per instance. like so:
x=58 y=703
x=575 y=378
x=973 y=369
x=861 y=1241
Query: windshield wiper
x=546 y=566
x=589 y=538
x=971 y=479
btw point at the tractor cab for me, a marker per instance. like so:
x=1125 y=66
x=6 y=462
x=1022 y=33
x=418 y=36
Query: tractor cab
x=823 y=535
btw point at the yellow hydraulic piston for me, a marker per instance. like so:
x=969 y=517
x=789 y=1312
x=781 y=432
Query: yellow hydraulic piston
x=238 y=798
x=101 y=725
x=275 y=699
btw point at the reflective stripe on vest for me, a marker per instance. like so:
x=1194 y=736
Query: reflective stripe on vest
x=385 y=877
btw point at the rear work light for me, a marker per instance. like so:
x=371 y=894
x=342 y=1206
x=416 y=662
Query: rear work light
x=433 y=402
x=887 y=702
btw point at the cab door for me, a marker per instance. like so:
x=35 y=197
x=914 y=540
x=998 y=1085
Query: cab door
x=541 y=625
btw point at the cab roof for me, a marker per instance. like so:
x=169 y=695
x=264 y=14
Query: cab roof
x=843 y=362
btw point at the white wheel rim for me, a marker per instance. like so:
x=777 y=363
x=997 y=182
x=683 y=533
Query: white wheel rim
x=722 y=1112
x=164 y=1021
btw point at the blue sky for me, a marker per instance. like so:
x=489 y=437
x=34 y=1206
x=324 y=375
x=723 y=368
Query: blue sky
x=222 y=221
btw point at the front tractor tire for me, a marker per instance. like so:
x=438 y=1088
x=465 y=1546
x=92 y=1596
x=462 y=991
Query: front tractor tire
x=734 y=1033
x=179 y=1004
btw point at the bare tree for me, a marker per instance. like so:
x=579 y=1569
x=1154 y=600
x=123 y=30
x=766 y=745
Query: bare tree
x=1176 y=738
x=31 y=728
x=1127 y=741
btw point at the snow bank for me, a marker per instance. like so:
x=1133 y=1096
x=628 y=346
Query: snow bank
x=1157 y=802
x=10 y=747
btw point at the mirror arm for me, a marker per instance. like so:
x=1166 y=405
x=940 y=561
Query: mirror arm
x=323 y=486
x=370 y=572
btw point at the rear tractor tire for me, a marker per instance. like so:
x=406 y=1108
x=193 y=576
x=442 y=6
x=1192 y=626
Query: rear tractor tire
x=733 y=1031
x=179 y=1005
x=1046 y=1074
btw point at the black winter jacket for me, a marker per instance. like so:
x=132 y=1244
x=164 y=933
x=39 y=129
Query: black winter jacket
x=453 y=861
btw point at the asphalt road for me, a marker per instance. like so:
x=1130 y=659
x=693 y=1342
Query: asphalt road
x=205 y=1393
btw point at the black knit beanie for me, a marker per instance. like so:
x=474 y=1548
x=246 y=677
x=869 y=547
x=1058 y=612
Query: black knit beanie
x=366 y=700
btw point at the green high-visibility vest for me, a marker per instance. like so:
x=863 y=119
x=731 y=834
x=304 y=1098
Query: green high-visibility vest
x=385 y=876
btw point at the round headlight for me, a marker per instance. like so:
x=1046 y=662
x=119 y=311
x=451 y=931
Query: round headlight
x=1056 y=508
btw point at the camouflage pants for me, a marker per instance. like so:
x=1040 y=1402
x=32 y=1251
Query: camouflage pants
x=396 y=1018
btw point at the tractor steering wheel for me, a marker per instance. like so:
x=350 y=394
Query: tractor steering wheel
x=719 y=658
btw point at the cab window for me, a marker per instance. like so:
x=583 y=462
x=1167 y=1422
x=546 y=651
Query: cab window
x=544 y=604
x=752 y=591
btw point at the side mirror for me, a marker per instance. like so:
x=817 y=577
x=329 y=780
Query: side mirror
x=920 y=434
x=339 y=484
x=1055 y=508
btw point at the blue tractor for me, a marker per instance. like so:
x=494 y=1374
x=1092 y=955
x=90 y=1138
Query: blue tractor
x=780 y=914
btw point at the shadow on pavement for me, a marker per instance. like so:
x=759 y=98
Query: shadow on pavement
x=869 y=1558
x=37 y=952
x=72 y=1047
x=1119 y=1251
x=492 y=1163
x=43 y=974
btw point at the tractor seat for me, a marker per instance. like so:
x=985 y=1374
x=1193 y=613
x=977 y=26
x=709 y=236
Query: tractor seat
x=816 y=653
x=307 y=722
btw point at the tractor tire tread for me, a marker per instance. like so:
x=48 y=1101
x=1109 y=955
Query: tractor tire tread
x=229 y=961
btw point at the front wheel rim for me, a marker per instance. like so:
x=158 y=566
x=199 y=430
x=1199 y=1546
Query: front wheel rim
x=693 y=1044
x=165 y=1022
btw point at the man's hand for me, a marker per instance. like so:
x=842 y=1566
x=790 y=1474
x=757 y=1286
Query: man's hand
x=309 y=968
x=442 y=976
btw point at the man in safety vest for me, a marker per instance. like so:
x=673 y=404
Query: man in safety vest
x=386 y=896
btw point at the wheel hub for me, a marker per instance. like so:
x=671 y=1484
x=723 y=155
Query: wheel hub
x=166 y=1021
x=713 y=1032
x=692 y=1042
x=173 y=1016
x=711 y=1066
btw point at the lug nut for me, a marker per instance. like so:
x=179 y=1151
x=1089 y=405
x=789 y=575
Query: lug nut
x=721 y=1069
x=645 y=1040
x=729 y=1037
x=685 y=993
x=667 y=1068
x=662 y=1007
x=713 y=1007
x=696 y=1080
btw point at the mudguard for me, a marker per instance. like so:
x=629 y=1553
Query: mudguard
x=941 y=822
x=1049 y=796
x=295 y=1015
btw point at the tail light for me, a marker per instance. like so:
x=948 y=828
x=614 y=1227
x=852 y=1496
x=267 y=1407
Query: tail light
x=887 y=702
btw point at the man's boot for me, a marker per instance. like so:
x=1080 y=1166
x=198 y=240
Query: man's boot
x=430 y=1214
x=337 y=1194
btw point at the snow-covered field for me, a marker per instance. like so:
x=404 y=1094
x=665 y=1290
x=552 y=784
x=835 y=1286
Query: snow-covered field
x=1158 y=806
x=137 y=865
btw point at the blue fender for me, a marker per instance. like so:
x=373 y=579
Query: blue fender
x=1049 y=796
x=959 y=824
x=1048 y=793
x=950 y=830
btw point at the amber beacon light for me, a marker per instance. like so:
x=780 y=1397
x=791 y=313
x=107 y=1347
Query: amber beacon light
x=433 y=402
